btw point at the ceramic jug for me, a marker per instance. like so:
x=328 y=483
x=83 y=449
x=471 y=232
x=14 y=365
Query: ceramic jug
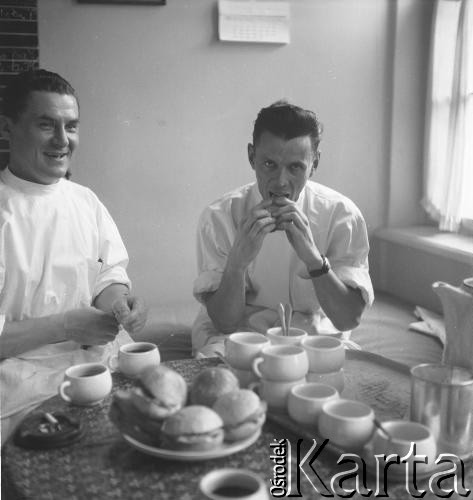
x=457 y=304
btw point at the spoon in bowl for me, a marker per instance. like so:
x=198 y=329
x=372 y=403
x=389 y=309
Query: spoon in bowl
x=282 y=318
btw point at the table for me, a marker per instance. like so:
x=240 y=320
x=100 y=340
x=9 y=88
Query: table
x=104 y=466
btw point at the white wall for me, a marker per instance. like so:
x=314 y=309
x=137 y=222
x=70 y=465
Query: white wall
x=167 y=111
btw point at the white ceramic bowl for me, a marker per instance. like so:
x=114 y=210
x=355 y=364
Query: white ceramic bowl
x=346 y=423
x=403 y=435
x=233 y=483
x=305 y=401
x=326 y=354
x=294 y=336
x=282 y=363
x=241 y=348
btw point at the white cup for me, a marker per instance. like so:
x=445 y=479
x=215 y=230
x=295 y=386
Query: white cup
x=242 y=347
x=134 y=357
x=335 y=379
x=237 y=484
x=294 y=335
x=275 y=393
x=347 y=423
x=86 y=384
x=305 y=401
x=403 y=434
x=281 y=363
x=326 y=354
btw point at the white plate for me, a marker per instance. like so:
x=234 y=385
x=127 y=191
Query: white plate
x=193 y=456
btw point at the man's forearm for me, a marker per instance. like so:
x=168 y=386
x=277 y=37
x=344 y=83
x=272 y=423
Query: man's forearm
x=109 y=295
x=342 y=304
x=226 y=306
x=21 y=336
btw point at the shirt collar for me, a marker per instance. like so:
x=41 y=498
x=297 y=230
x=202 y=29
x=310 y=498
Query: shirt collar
x=27 y=187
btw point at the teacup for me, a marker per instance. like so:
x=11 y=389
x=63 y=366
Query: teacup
x=402 y=436
x=86 y=384
x=134 y=357
x=294 y=335
x=281 y=363
x=305 y=401
x=335 y=379
x=326 y=354
x=238 y=484
x=275 y=393
x=347 y=423
x=242 y=347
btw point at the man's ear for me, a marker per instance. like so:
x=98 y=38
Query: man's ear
x=5 y=127
x=315 y=163
x=251 y=155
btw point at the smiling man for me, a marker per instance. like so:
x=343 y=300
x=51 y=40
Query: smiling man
x=283 y=238
x=64 y=290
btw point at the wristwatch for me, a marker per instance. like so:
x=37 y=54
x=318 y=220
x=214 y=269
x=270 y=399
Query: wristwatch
x=315 y=273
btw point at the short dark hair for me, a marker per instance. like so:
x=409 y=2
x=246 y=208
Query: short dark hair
x=17 y=92
x=287 y=121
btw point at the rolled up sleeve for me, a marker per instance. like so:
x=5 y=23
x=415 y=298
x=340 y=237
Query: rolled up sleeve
x=348 y=252
x=214 y=241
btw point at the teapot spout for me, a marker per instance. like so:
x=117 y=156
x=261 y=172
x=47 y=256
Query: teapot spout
x=444 y=290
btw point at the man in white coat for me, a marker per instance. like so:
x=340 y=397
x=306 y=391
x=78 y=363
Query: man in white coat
x=281 y=239
x=64 y=290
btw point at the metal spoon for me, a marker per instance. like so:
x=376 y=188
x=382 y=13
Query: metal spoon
x=288 y=312
x=381 y=427
x=282 y=318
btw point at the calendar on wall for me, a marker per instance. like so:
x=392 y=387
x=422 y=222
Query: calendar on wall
x=254 y=21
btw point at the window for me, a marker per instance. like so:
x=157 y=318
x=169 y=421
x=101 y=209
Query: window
x=448 y=195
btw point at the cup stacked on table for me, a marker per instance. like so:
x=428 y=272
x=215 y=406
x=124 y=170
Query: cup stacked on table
x=241 y=348
x=326 y=356
x=279 y=367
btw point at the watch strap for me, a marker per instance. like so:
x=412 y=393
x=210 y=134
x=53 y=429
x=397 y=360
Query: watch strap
x=315 y=273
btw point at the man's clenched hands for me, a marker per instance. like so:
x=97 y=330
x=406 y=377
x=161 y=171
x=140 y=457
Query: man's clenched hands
x=250 y=235
x=291 y=219
x=130 y=312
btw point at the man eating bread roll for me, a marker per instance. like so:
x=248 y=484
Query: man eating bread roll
x=281 y=239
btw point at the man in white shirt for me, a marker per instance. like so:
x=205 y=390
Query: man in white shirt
x=64 y=290
x=282 y=239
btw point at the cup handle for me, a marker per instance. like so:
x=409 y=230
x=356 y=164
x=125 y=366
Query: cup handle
x=62 y=391
x=113 y=362
x=255 y=366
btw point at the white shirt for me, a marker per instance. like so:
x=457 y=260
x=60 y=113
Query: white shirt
x=277 y=274
x=59 y=248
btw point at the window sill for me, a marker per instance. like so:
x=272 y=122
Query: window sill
x=457 y=247
x=406 y=261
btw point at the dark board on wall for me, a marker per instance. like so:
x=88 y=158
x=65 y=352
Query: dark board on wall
x=18 y=46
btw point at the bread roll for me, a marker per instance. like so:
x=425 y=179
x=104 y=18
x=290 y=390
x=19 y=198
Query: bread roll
x=210 y=384
x=194 y=427
x=242 y=412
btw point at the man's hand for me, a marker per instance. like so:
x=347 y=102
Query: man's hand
x=250 y=235
x=292 y=220
x=131 y=312
x=89 y=326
